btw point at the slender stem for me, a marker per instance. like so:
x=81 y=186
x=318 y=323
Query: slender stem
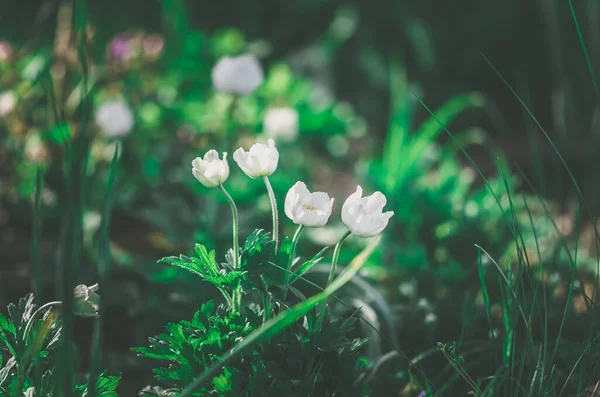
x=293 y=252
x=229 y=134
x=237 y=293
x=336 y=255
x=35 y=313
x=104 y=266
x=234 y=213
x=273 y=209
x=266 y=306
x=36 y=261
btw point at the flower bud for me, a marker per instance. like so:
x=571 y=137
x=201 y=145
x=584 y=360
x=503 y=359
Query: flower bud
x=210 y=170
x=86 y=302
x=261 y=160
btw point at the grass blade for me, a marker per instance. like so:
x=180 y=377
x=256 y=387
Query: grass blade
x=104 y=265
x=278 y=323
x=584 y=49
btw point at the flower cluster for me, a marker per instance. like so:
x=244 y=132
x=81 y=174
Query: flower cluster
x=363 y=216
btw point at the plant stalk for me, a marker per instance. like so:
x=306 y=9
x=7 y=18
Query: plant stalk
x=334 y=260
x=273 y=209
x=237 y=294
x=293 y=252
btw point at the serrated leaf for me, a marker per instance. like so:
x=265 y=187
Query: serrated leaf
x=279 y=323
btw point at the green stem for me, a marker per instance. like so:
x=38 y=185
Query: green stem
x=266 y=306
x=229 y=134
x=336 y=255
x=237 y=293
x=273 y=208
x=234 y=213
x=35 y=313
x=37 y=282
x=293 y=252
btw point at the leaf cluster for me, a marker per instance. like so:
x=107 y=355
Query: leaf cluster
x=27 y=360
x=302 y=360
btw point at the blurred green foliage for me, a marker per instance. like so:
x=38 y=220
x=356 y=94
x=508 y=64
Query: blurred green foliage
x=355 y=72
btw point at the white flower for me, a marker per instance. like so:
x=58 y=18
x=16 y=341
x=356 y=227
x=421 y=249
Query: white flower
x=261 y=160
x=281 y=123
x=8 y=101
x=237 y=75
x=211 y=171
x=430 y=318
x=91 y=222
x=364 y=216
x=86 y=302
x=35 y=150
x=306 y=208
x=114 y=118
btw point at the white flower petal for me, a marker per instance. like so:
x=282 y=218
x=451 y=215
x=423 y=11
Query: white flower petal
x=363 y=215
x=306 y=208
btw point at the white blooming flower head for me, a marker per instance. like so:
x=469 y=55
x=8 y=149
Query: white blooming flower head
x=237 y=75
x=114 y=118
x=8 y=101
x=86 y=302
x=210 y=170
x=364 y=216
x=281 y=123
x=306 y=208
x=261 y=160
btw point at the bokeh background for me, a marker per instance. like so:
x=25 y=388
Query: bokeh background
x=355 y=73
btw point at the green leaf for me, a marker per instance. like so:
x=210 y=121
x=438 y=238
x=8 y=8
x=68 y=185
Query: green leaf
x=277 y=324
x=306 y=266
x=59 y=134
x=222 y=382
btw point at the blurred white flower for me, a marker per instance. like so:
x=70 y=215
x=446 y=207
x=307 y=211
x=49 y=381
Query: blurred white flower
x=430 y=318
x=364 y=216
x=408 y=288
x=48 y=196
x=86 y=302
x=261 y=160
x=306 y=208
x=114 y=118
x=424 y=304
x=91 y=222
x=282 y=124
x=35 y=150
x=210 y=170
x=8 y=101
x=237 y=75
